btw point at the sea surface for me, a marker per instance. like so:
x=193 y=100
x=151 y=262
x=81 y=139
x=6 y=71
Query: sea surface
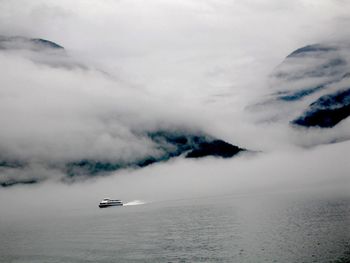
x=279 y=227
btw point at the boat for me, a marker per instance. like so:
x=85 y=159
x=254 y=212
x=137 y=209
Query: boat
x=106 y=202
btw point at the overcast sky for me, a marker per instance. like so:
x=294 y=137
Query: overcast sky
x=143 y=65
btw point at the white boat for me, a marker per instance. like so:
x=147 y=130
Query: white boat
x=106 y=202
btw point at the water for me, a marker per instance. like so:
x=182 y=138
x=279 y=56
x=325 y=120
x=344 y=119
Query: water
x=253 y=228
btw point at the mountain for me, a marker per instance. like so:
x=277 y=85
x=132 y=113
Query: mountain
x=132 y=149
x=169 y=144
x=327 y=111
x=311 y=87
x=34 y=44
x=39 y=51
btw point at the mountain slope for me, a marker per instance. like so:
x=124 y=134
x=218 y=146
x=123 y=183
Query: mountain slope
x=34 y=44
x=70 y=124
x=311 y=87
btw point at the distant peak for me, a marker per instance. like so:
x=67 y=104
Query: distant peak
x=309 y=49
x=34 y=44
x=46 y=43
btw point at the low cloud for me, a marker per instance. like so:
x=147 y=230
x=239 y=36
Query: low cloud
x=130 y=67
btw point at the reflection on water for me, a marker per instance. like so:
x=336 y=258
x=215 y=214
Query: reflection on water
x=275 y=228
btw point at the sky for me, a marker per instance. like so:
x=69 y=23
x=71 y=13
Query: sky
x=133 y=66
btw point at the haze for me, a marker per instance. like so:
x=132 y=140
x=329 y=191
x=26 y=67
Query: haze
x=134 y=66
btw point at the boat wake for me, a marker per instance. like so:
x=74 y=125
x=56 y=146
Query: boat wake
x=135 y=202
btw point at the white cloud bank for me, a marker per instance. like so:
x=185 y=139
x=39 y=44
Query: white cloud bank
x=150 y=65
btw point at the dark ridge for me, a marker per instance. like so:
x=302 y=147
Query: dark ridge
x=11 y=164
x=311 y=49
x=170 y=144
x=300 y=94
x=46 y=43
x=327 y=111
x=327 y=118
x=13 y=182
x=6 y=164
x=297 y=95
x=91 y=167
x=35 y=44
x=176 y=143
x=148 y=161
x=330 y=68
x=217 y=148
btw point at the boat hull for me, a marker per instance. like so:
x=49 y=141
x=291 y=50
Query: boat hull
x=108 y=205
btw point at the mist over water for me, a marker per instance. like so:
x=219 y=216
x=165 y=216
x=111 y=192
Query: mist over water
x=285 y=207
x=282 y=227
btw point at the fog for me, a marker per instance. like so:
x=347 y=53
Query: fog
x=298 y=173
x=131 y=66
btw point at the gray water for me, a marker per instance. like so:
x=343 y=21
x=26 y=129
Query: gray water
x=260 y=228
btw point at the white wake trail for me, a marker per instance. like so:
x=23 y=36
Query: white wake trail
x=135 y=202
